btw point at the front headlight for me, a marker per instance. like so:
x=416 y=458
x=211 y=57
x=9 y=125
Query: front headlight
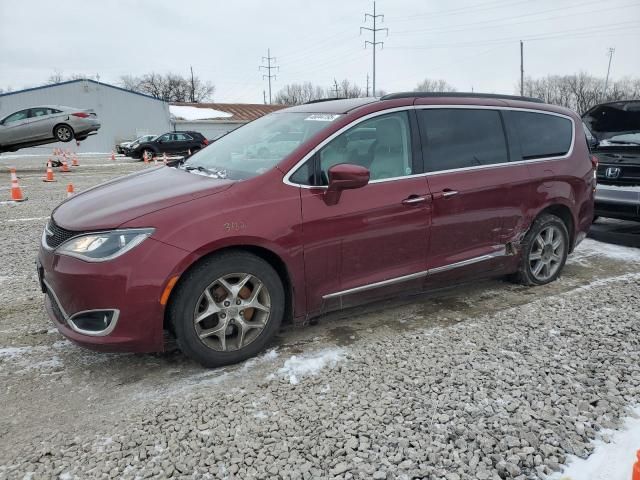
x=103 y=246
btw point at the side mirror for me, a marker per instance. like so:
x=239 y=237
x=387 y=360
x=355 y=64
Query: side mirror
x=345 y=176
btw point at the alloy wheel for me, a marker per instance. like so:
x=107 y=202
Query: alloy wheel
x=547 y=252
x=232 y=312
x=64 y=134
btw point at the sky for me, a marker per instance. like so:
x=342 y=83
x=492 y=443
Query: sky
x=470 y=44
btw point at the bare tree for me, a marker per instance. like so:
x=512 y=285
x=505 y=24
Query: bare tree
x=299 y=93
x=55 y=77
x=430 y=85
x=170 y=87
x=580 y=91
x=350 y=90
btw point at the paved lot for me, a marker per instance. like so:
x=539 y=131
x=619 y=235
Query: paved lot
x=485 y=381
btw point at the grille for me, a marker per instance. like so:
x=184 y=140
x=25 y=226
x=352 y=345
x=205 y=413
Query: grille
x=628 y=175
x=56 y=235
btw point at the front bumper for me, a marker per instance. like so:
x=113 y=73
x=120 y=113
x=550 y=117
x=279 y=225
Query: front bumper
x=130 y=286
x=617 y=201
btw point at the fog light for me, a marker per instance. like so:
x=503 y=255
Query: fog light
x=94 y=321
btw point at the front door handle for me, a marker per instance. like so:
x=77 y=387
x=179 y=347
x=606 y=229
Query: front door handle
x=413 y=200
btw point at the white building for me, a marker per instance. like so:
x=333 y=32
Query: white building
x=123 y=114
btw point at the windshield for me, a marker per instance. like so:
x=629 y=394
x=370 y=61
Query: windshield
x=258 y=146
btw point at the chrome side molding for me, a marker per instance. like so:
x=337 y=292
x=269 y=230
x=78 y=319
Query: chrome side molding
x=392 y=281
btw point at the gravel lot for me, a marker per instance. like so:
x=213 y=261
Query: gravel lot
x=485 y=381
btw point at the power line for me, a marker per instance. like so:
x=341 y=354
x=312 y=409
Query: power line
x=268 y=67
x=374 y=44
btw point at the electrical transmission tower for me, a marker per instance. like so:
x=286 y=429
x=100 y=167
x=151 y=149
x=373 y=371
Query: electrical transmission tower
x=336 y=89
x=374 y=17
x=606 y=82
x=268 y=67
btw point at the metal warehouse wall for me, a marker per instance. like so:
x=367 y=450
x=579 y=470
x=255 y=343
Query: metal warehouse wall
x=124 y=115
x=210 y=129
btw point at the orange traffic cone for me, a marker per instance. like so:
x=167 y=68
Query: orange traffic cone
x=16 y=191
x=49 y=176
x=74 y=161
x=113 y=155
x=155 y=160
x=65 y=167
x=146 y=158
x=70 y=190
x=164 y=157
x=635 y=475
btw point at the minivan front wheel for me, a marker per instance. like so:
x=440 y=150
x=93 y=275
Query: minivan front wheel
x=544 y=251
x=227 y=308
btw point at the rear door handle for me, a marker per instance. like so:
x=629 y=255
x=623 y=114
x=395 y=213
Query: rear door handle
x=414 y=200
x=446 y=193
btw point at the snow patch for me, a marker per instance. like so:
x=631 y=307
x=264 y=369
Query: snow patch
x=609 y=461
x=593 y=248
x=13 y=352
x=296 y=367
x=196 y=113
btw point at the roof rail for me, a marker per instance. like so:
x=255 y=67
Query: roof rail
x=319 y=100
x=497 y=96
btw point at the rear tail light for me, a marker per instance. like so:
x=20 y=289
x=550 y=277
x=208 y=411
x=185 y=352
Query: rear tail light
x=594 y=162
x=80 y=114
x=205 y=142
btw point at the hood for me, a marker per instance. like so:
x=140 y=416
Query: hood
x=615 y=121
x=111 y=204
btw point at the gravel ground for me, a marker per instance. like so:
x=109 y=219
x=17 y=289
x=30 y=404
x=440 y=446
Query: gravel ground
x=485 y=381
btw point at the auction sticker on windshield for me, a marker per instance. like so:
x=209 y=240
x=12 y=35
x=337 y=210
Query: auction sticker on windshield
x=321 y=117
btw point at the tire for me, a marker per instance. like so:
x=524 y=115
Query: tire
x=63 y=133
x=536 y=243
x=216 y=339
x=147 y=152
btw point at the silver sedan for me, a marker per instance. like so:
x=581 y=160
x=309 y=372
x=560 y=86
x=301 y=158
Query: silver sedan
x=46 y=124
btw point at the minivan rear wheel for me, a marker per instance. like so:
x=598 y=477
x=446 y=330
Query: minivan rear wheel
x=544 y=251
x=227 y=308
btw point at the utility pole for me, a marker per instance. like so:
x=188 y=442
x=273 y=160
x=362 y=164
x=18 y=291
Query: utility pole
x=521 y=69
x=374 y=44
x=606 y=82
x=335 y=88
x=193 y=87
x=264 y=97
x=367 y=84
x=268 y=67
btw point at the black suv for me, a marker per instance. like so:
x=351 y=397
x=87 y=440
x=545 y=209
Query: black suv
x=173 y=143
x=613 y=131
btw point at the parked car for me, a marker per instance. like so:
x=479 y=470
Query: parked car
x=46 y=124
x=613 y=130
x=220 y=249
x=175 y=143
x=123 y=146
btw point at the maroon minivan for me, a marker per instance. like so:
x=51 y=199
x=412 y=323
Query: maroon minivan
x=314 y=208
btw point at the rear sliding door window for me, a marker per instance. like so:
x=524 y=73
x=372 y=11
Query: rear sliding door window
x=462 y=138
x=540 y=135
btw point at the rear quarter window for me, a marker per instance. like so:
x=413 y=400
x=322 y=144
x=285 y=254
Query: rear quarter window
x=540 y=135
